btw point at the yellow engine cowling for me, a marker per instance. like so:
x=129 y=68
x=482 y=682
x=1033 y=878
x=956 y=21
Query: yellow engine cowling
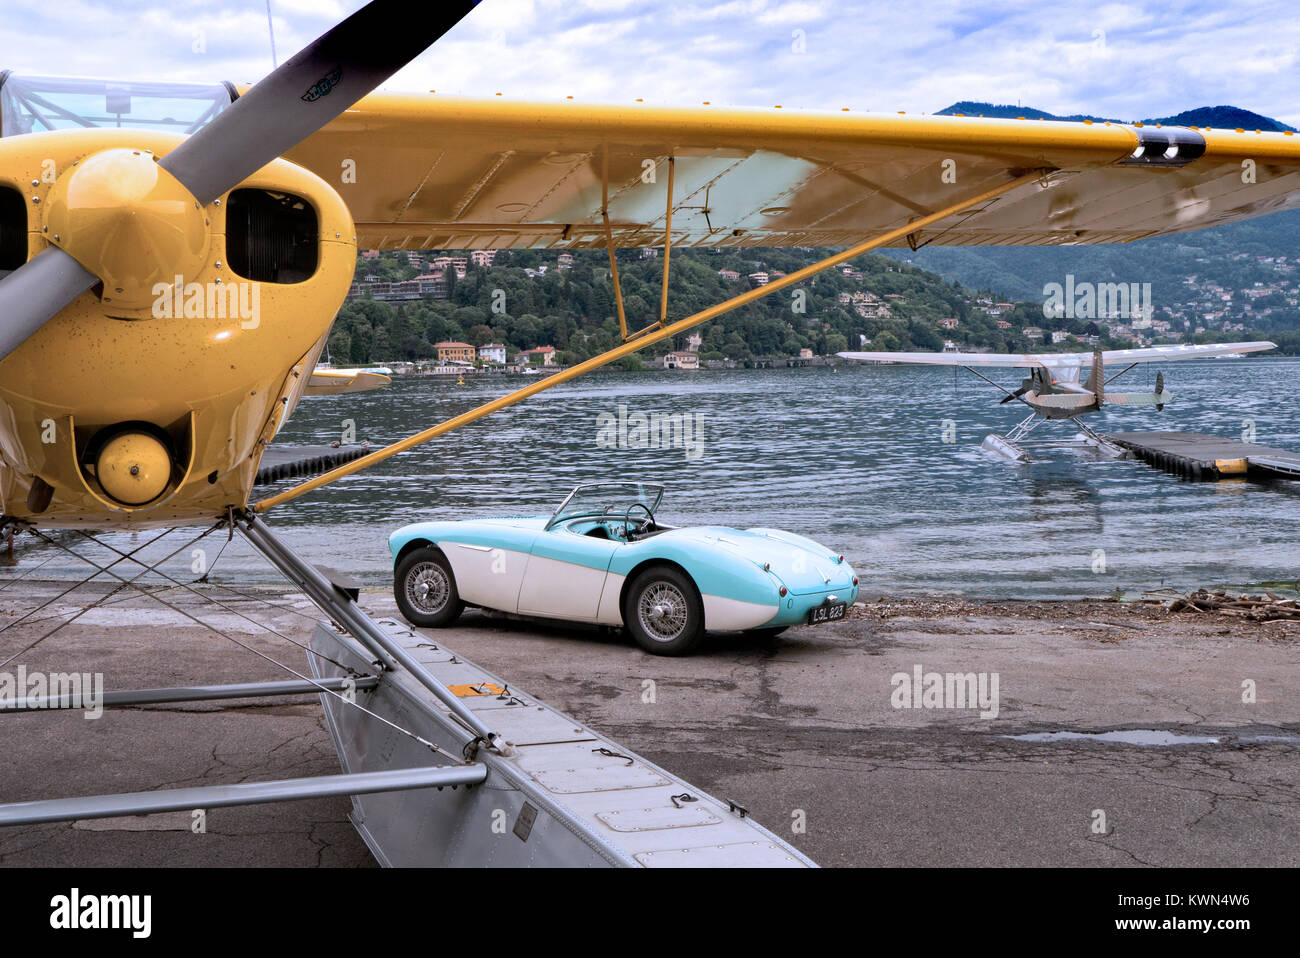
x=149 y=400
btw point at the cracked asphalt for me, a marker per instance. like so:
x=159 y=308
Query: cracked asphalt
x=800 y=729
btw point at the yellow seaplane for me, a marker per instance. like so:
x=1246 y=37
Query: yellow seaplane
x=172 y=258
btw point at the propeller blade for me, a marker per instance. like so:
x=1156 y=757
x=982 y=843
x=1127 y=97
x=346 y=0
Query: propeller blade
x=289 y=105
x=308 y=91
x=1160 y=388
x=34 y=293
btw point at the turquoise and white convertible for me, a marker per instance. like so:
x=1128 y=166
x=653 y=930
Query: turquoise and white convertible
x=603 y=557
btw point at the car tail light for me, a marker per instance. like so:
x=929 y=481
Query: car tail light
x=781 y=592
x=855 y=580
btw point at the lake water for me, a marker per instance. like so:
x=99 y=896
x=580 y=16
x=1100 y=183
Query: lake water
x=855 y=458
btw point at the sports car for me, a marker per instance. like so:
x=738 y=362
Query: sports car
x=603 y=557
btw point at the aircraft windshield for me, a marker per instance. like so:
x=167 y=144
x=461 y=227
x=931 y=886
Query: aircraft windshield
x=40 y=104
x=608 y=499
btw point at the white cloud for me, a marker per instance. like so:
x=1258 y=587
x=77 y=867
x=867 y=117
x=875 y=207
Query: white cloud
x=1130 y=60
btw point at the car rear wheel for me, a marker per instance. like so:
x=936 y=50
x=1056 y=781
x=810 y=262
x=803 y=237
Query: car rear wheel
x=425 y=589
x=664 y=612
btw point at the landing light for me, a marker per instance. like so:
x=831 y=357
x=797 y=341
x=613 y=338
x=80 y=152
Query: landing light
x=133 y=468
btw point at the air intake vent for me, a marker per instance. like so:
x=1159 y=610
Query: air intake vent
x=13 y=229
x=271 y=237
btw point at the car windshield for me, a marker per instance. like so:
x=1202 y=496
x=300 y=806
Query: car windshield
x=608 y=499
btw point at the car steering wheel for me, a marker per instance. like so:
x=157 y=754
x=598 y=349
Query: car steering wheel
x=643 y=525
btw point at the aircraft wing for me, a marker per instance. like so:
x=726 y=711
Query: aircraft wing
x=434 y=172
x=1165 y=354
x=331 y=382
x=1148 y=354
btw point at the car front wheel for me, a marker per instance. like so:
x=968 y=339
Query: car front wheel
x=425 y=589
x=664 y=612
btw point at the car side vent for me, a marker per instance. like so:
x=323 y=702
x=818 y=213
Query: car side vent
x=271 y=237
x=13 y=229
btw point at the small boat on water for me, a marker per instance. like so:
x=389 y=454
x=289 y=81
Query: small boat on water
x=326 y=380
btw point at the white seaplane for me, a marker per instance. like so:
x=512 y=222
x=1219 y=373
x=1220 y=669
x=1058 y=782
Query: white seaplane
x=1052 y=390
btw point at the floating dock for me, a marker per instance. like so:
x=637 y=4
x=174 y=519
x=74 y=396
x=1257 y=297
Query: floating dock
x=1201 y=457
x=293 y=462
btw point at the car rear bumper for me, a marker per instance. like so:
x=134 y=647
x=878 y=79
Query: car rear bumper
x=795 y=609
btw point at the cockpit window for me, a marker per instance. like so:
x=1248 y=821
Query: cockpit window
x=39 y=104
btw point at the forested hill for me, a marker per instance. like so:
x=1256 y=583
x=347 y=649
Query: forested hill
x=891 y=305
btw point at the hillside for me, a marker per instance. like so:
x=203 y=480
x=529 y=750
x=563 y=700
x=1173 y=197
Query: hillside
x=1251 y=263
x=891 y=305
x=525 y=299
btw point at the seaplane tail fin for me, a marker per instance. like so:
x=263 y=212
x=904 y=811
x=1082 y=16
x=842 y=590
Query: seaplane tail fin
x=1096 y=383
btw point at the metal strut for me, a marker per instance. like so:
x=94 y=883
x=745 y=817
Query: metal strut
x=342 y=609
x=609 y=244
x=668 y=249
x=245 y=793
x=192 y=693
x=1024 y=427
x=1101 y=440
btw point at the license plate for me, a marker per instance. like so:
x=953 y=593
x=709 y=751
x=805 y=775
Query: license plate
x=827 y=612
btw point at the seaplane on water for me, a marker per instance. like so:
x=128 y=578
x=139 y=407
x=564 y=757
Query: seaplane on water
x=172 y=257
x=1053 y=391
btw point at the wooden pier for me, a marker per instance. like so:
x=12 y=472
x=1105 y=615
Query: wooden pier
x=1201 y=457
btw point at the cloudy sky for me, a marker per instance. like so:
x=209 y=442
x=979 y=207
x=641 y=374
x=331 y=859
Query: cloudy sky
x=1130 y=60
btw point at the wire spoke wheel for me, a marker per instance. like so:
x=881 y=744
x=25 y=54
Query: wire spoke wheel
x=662 y=611
x=427 y=588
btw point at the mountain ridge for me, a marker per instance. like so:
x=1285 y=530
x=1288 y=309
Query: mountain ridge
x=1217 y=117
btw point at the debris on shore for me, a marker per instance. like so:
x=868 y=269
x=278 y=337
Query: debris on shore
x=1265 y=615
x=1258 y=607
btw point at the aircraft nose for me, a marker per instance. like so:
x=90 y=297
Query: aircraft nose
x=130 y=222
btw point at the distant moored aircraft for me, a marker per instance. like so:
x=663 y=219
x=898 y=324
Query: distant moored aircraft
x=1053 y=391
